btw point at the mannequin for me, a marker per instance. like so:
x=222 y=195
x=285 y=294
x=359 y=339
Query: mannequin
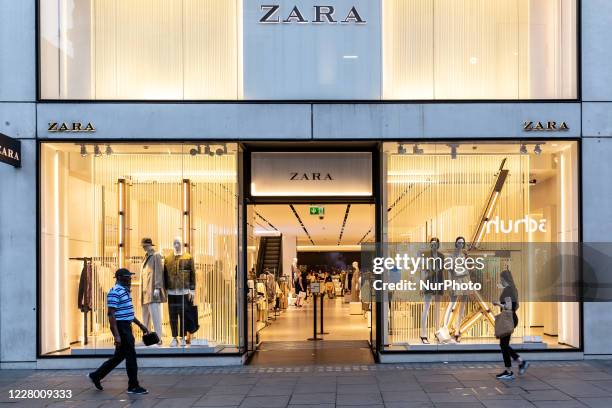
x=433 y=274
x=458 y=298
x=270 y=285
x=355 y=282
x=153 y=289
x=179 y=276
x=295 y=271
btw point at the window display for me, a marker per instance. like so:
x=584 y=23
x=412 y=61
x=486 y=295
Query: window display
x=348 y=50
x=472 y=49
x=168 y=214
x=505 y=207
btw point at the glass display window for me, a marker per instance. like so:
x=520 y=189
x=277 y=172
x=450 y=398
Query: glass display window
x=290 y=50
x=471 y=49
x=166 y=212
x=515 y=206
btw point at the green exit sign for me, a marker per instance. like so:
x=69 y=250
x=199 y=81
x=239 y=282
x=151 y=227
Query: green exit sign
x=317 y=210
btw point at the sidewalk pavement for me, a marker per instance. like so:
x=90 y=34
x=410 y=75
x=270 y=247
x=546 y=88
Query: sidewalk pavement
x=546 y=384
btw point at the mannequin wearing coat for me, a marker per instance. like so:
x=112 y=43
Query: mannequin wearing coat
x=153 y=290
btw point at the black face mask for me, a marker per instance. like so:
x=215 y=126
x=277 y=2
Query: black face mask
x=126 y=283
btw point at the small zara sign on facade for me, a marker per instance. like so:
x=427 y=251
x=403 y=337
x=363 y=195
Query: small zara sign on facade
x=10 y=151
x=549 y=126
x=74 y=127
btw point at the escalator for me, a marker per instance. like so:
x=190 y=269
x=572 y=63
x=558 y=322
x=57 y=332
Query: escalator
x=270 y=255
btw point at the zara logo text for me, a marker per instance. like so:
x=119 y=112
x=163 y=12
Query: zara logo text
x=310 y=176
x=545 y=126
x=70 y=127
x=272 y=14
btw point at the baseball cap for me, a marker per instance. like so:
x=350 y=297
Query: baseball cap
x=123 y=272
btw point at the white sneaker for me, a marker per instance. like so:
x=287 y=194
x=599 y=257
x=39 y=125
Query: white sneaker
x=173 y=343
x=183 y=342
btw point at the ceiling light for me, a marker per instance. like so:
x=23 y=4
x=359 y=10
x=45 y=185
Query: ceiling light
x=523 y=149
x=97 y=151
x=401 y=149
x=537 y=150
x=222 y=150
x=416 y=150
x=109 y=150
x=453 y=147
x=196 y=150
x=208 y=151
x=83 y=151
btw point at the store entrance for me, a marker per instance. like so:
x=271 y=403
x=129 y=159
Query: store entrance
x=292 y=246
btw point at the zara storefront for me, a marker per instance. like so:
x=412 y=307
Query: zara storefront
x=148 y=117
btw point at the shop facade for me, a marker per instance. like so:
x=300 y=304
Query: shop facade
x=118 y=144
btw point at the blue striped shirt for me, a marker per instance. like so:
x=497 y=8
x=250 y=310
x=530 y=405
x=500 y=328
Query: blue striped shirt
x=119 y=298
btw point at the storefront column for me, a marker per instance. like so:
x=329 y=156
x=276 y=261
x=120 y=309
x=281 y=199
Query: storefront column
x=597 y=228
x=18 y=261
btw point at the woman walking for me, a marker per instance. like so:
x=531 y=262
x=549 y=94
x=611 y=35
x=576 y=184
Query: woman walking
x=300 y=289
x=508 y=300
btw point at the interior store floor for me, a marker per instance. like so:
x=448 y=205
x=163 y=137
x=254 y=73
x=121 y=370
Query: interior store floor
x=295 y=324
x=285 y=341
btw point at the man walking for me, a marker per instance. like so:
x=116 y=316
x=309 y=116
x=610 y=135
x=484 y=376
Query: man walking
x=121 y=316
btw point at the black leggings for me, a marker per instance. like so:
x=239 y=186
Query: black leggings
x=507 y=351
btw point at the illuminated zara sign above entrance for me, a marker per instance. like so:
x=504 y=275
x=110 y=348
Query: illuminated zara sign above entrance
x=311 y=174
x=319 y=14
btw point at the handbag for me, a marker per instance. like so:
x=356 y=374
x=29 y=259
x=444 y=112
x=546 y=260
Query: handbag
x=150 y=338
x=191 y=318
x=443 y=335
x=504 y=324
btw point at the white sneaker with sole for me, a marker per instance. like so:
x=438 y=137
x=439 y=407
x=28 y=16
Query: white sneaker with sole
x=506 y=375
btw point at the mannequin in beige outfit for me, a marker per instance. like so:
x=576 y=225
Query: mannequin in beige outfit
x=355 y=288
x=153 y=290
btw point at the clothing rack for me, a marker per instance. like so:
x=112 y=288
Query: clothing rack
x=87 y=308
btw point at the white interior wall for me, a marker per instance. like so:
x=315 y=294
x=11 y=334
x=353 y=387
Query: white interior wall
x=289 y=252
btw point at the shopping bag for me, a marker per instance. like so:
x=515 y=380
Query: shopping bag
x=191 y=318
x=504 y=324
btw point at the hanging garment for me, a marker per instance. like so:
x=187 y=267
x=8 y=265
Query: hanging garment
x=271 y=287
x=84 y=300
x=355 y=289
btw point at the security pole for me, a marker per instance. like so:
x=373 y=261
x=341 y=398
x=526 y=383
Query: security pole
x=321 y=331
x=315 y=289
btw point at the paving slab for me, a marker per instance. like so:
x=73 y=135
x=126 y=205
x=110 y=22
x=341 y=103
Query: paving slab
x=421 y=385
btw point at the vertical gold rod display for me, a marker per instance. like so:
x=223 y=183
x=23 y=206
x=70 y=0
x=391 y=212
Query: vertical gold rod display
x=187 y=215
x=121 y=196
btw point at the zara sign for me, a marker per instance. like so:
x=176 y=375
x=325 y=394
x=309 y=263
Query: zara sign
x=273 y=14
x=311 y=174
x=10 y=151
